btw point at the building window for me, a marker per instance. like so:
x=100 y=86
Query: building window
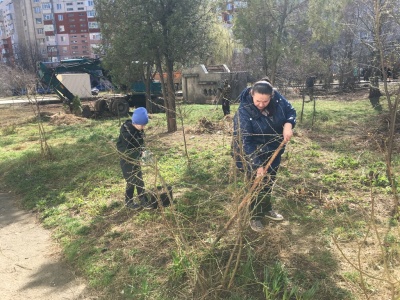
x=69 y=4
x=240 y=4
x=83 y=30
x=93 y=25
x=91 y=13
x=59 y=6
x=38 y=20
x=72 y=31
x=83 y=35
x=61 y=28
x=36 y=10
x=79 y=3
x=74 y=47
x=36 y=1
x=46 y=5
x=70 y=15
x=74 y=36
x=70 y=9
x=41 y=41
x=74 y=42
x=81 y=8
x=40 y=31
x=90 y=3
x=71 y=20
x=60 y=17
x=83 y=25
x=48 y=16
x=72 y=26
x=62 y=39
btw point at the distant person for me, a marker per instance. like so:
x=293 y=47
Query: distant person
x=226 y=94
x=264 y=119
x=130 y=146
x=310 y=82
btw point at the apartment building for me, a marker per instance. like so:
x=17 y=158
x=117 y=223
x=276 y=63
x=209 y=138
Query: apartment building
x=229 y=9
x=57 y=29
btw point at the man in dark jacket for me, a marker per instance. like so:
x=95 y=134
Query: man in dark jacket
x=310 y=82
x=264 y=119
x=130 y=146
x=226 y=94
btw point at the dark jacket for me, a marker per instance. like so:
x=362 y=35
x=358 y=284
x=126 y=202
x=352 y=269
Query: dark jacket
x=130 y=141
x=257 y=136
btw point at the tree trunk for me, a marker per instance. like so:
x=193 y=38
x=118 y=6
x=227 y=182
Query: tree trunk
x=171 y=106
x=148 y=80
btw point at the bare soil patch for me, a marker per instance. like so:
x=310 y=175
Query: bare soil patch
x=30 y=263
x=16 y=114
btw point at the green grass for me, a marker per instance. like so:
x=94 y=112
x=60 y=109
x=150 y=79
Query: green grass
x=323 y=190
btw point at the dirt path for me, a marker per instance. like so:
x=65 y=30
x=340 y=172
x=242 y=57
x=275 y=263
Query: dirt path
x=30 y=266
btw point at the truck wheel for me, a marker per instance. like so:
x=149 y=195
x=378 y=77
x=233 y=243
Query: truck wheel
x=120 y=107
x=100 y=106
x=86 y=113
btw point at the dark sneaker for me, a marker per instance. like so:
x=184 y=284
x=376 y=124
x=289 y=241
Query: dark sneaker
x=146 y=204
x=274 y=215
x=132 y=205
x=256 y=225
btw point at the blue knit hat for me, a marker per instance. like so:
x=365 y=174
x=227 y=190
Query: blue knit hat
x=139 y=116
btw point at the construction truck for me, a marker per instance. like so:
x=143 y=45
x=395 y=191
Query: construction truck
x=71 y=78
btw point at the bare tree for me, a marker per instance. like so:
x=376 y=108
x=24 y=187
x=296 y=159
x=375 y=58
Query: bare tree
x=166 y=33
x=266 y=29
x=27 y=56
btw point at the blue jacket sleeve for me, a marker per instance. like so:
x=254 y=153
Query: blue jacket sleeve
x=246 y=136
x=290 y=112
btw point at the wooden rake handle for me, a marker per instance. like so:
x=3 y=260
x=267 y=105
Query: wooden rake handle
x=247 y=197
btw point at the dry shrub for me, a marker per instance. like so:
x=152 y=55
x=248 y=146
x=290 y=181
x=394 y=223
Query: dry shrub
x=44 y=116
x=66 y=119
x=206 y=126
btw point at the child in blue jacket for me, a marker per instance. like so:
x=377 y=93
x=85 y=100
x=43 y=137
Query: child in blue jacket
x=130 y=146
